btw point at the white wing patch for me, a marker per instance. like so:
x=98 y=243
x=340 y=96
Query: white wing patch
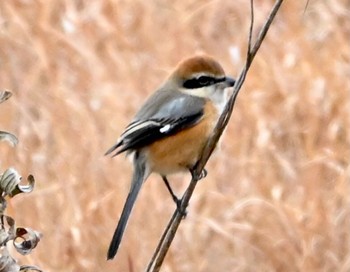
x=165 y=129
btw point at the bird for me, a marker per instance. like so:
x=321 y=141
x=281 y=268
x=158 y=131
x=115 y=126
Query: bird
x=171 y=129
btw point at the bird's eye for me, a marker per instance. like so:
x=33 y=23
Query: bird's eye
x=204 y=80
x=199 y=82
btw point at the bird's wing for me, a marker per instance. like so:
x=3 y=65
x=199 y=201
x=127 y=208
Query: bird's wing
x=175 y=111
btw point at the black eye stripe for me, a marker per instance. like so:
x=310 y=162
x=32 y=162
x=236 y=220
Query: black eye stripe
x=201 y=81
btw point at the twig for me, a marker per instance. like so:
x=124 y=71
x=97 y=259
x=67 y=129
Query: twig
x=169 y=233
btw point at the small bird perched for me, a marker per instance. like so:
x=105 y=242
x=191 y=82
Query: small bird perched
x=171 y=129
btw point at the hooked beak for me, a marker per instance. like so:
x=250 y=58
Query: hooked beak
x=230 y=82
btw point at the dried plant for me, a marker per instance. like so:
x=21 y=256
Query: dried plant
x=24 y=239
x=277 y=196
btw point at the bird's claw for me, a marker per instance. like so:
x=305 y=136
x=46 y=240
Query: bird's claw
x=203 y=174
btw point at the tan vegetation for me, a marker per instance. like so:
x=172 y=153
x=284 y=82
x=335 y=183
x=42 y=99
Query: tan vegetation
x=277 y=196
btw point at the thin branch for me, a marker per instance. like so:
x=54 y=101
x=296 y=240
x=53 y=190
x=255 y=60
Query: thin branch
x=306 y=6
x=250 y=37
x=161 y=242
x=264 y=29
x=170 y=231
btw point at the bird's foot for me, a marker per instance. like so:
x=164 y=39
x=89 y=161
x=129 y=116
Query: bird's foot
x=202 y=175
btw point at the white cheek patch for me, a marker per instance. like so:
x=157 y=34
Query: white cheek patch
x=165 y=129
x=200 y=92
x=218 y=95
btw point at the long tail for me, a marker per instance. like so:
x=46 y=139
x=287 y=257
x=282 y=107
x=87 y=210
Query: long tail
x=138 y=177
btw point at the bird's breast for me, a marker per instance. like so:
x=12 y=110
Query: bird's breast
x=182 y=150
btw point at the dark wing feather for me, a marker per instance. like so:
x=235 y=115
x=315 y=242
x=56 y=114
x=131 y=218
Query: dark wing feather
x=177 y=111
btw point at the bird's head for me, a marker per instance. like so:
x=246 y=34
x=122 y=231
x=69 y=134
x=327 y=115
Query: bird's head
x=201 y=76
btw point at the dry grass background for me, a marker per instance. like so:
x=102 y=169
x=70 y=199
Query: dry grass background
x=277 y=196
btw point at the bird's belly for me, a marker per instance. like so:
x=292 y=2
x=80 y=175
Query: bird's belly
x=181 y=151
